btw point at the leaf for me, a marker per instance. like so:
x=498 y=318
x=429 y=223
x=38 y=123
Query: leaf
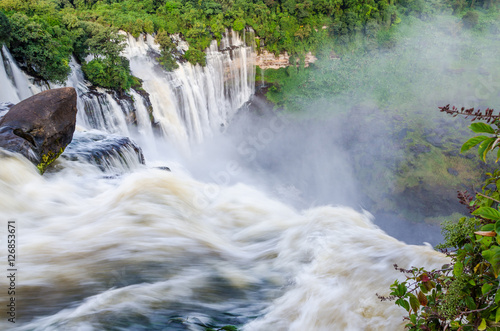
x=497 y=226
x=495 y=143
x=497 y=315
x=488 y=227
x=485 y=147
x=480 y=267
x=497 y=297
x=401 y=290
x=414 y=303
x=422 y=299
x=403 y=303
x=469 y=301
x=486 y=288
x=492 y=255
x=458 y=268
x=482 y=326
x=486 y=233
x=479 y=127
x=430 y=285
x=487 y=213
x=472 y=142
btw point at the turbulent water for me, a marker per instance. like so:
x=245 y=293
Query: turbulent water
x=137 y=247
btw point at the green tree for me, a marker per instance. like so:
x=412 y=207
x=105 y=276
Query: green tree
x=109 y=73
x=37 y=50
x=5 y=28
x=167 y=47
x=107 y=68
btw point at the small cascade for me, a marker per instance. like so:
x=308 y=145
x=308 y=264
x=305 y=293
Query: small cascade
x=96 y=108
x=143 y=119
x=111 y=153
x=16 y=85
x=8 y=92
x=100 y=111
x=192 y=102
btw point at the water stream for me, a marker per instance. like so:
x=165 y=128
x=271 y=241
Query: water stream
x=136 y=247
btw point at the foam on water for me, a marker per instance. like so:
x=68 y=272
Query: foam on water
x=152 y=249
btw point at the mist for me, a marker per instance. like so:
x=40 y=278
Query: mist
x=353 y=146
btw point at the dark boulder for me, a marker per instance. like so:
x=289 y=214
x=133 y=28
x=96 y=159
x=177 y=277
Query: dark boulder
x=41 y=126
x=111 y=153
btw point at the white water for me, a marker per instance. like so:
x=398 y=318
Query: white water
x=16 y=85
x=157 y=250
x=193 y=101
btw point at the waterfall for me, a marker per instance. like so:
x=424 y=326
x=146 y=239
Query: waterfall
x=188 y=104
x=192 y=102
x=8 y=91
x=105 y=242
x=13 y=77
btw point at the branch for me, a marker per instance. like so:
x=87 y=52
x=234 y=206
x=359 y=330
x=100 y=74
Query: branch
x=487 y=197
x=477 y=114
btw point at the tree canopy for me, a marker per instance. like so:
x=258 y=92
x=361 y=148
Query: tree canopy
x=43 y=34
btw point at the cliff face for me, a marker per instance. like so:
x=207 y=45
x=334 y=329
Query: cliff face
x=267 y=60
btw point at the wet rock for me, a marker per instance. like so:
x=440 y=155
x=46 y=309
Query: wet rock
x=453 y=152
x=41 y=126
x=108 y=152
x=435 y=140
x=402 y=134
x=420 y=149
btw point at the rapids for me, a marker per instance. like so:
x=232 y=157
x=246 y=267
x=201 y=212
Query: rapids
x=136 y=247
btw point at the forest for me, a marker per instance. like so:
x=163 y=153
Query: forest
x=43 y=34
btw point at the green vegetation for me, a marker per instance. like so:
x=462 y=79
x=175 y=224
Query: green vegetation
x=464 y=295
x=390 y=88
x=42 y=34
x=167 y=48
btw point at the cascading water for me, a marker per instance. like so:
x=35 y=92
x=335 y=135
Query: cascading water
x=141 y=248
x=16 y=85
x=193 y=101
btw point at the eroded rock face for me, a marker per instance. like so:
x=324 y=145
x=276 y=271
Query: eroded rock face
x=41 y=126
x=267 y=60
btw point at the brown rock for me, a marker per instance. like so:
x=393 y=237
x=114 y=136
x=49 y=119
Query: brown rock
x=41 y=126
x=267 y=60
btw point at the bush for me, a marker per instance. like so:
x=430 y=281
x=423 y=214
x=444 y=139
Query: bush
x=470 y=19
x=38 y=51
x=109 y=73
x=5 y=28
x=167 y=48
x=464 y=295
x=195 y=56
x=239 y=24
